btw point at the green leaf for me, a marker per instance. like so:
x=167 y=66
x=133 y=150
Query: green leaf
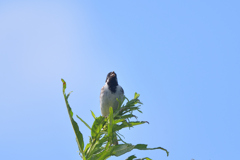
x=120 y=101
x=139 y=110
x=102 y=155
x=131 y=157
x=110 y=124
x=94 y=149
x=144 y=147
x=128 y=116
x=93 y=115
x=98 y=150
x=64 y=85
x=117 y=127
x=79 y=136
x=68 y=94
x=97 y=126
x=87 y=148
x=70 y=112
x=122 y=149
x=125 y=124
x=118 y=121
x=136 y=95
x=112 y=150
x=84 y=122
x=146 y=158
x=136 y=123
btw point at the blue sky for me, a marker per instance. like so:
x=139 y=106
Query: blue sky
x=183 y=57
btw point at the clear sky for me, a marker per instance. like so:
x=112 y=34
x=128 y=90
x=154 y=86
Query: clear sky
x=183 y=57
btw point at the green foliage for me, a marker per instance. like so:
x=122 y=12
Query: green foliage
x=104 y=138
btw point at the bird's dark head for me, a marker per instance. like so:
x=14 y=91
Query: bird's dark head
x=111 y=81
x=112 y=78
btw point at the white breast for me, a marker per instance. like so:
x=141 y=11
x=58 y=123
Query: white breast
x=108 y=99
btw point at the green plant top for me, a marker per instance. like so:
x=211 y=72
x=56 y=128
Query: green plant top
x=103 y=142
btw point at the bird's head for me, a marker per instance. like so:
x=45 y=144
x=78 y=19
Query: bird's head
x=112 y=79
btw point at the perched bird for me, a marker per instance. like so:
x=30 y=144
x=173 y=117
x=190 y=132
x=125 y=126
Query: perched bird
x=109 y=92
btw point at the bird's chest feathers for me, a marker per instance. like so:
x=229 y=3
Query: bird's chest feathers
x=108 y=98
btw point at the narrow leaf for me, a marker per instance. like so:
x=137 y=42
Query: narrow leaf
x=131 y=157
x=122 y=149
x=64 y=85
x=134 y=123
x=68 y=94
x=87 y=147
x=103 y=155
x=144 y=147
x=146 y=158
x=110 y=124
x=97 y=126
x=93 y=115
x=84 y=122
x=136 y=95
x=118 y=121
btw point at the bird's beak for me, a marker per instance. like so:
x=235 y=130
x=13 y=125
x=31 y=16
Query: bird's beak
x=113 y=74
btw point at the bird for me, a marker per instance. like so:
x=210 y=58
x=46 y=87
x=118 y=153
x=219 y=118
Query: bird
x=109 y=94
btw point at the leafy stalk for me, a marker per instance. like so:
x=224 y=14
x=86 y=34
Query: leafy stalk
x=79 y=136
x=103 y=142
